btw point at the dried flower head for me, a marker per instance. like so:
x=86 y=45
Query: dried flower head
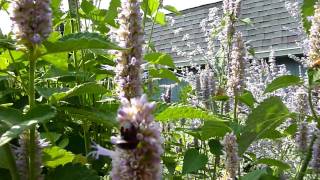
x=33 y=20
x=314 y=52
x=130 y=36
x=232 y=158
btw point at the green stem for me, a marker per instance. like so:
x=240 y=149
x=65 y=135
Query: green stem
x=235 y=118
x=306 y=160
x=11 y=162
x=308 y=157
x=31 y=94
x=314 y=113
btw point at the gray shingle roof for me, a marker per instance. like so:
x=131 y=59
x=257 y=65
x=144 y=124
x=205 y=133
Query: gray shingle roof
x=269 y=18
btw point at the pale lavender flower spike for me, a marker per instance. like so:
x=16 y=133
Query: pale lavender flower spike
x=33 y=20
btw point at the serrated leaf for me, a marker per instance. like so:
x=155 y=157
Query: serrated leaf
x=112 y=13
x=213 y=129
x=193 y=161
x=283 y=82
x=265 y=117
x=163 y=73
x=273 y=162
x=56 y=156
x=307 y=10
x=86 y=88
x=107 y=119
x=72 y=171
x=37 y=115
x=80 y=41
x=175 y=113
x=172 y=9
x=161 y=18
x=160 y=58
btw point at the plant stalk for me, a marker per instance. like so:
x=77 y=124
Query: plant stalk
x=11 y=162
x=32 y=145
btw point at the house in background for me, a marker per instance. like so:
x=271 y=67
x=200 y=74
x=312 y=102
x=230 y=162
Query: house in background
x=270 y=23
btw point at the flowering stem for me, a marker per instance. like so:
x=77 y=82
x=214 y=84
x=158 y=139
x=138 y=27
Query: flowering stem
x=31 y=95
x=11 y=162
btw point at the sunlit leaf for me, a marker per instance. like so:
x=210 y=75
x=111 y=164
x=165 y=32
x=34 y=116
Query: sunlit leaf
x=56 y=156
x=172 y=9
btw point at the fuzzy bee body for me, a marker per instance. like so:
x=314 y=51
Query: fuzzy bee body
x=128 y=140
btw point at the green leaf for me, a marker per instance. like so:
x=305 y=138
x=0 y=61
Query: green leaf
x=7 y=44
x=163 y=73
x=266 y=117
x=307 y=10
x=215 y=147
x=3 y=158
x=10 y=116
x=79 y=41
x=161 y=18
x=112 y=12
x=58 y=60
x=291 y=130
x=86 y=88
x=160 y=58
x=150 y=6
x=213 y=129
x=172 y=9
x=87 y=6
x=246 y=21
x=193 y=161
x=170 y=163
x=247 y=98
x=283 y=82
x=273 y=162
x=56 y=156
x=37 y=115
x=255 y=175
x=107 y=119
x=178 y=112
x=72 y=171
